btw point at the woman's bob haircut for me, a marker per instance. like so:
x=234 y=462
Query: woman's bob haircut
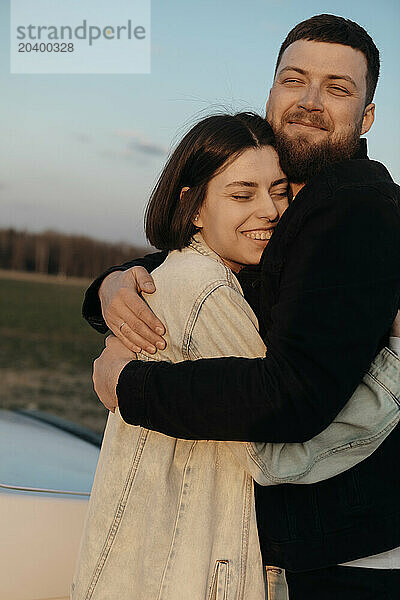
x=204 y=151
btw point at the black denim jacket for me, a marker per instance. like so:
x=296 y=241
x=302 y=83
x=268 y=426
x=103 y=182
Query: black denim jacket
x=325 y=293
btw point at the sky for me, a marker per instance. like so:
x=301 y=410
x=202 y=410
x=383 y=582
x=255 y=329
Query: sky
x=81 y=153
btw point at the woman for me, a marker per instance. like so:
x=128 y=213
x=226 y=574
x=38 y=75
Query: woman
x=171 y=518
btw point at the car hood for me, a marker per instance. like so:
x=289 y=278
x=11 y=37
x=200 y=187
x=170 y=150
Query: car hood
x=36 y=456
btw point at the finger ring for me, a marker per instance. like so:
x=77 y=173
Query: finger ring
x=122 y=324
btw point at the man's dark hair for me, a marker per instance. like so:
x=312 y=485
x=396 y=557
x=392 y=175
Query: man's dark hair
x=338 y=30
x=203 y=152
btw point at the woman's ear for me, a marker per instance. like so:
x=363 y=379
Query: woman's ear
x=183 y=190
x=197 y=217
x=197 y=220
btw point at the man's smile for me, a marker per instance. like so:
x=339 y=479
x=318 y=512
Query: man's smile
x=307 y=125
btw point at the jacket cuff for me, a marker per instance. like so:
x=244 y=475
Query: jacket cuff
x=394 y=345
x=131 y=393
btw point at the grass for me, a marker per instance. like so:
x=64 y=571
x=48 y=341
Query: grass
x=47 y=349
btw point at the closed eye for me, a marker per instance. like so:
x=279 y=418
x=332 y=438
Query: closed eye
x=339 y=90
x=292 y=81
x=280 y=194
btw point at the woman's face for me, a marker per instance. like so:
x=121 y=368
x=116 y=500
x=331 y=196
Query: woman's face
x=242 y=206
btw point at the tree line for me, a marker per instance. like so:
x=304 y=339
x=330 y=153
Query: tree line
x=60 y=254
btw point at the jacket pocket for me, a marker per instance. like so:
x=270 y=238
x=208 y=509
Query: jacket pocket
x=219 y=584
x=276 y=584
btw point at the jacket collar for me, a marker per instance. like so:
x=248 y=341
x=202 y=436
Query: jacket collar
x=362 y=149
x=198 y=244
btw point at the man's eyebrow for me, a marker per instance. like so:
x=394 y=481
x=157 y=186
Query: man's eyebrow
x=290 y=68
x=345 y=77
x=303 y=72
x=243 y=183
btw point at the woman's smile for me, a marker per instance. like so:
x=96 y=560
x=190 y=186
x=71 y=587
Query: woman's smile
x=258 y=235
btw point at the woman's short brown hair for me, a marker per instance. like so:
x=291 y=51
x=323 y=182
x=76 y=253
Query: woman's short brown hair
x=200 y=155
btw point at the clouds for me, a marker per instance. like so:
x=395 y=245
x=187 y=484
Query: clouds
x=123 y=144
x=137 y=142
x=83 y=138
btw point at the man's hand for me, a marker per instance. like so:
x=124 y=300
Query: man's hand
x=125 y=312
x=107 y=368
x=395 y=331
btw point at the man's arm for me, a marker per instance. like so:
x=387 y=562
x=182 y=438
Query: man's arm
x=363 y=424
x=338 y=295
x=121 y=285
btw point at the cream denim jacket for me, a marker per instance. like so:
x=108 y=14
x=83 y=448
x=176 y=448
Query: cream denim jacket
x=174 y=519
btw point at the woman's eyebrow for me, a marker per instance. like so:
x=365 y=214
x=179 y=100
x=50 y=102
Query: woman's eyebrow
x=279 y=181
x=243 y=183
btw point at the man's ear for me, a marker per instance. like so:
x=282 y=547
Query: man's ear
x=267 y=105
x=368 y=118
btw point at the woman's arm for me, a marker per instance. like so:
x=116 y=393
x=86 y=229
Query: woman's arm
x=227 y=326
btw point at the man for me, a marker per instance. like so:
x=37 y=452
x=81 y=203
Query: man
x=326 y=293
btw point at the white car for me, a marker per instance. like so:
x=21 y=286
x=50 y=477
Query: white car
x=47 y=467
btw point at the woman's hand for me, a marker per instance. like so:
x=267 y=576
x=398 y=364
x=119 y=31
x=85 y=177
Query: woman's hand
x=125 y=312
x=395 y=331
x=107 y=368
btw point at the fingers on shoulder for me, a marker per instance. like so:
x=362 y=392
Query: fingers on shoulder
x=140 y=278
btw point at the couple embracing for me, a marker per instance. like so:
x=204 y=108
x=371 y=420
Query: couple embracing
x=251 y=453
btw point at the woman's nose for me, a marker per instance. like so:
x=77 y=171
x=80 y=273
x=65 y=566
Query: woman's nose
x=268 y=210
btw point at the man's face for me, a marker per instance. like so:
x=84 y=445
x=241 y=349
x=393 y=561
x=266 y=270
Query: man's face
x=317 y=107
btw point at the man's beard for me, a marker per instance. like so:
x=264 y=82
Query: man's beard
x=301 y=159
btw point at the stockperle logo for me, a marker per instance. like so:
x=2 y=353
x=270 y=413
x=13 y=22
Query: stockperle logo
x=85 y=36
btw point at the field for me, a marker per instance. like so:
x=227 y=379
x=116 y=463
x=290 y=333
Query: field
x=47 y=349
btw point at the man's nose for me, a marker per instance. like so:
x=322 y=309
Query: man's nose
x=311 y=99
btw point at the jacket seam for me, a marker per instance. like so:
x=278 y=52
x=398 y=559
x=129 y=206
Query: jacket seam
x=396 y=356
x=118 y=514
x=245 y=535
x=177 y=515
x=291 y=478
x=385 y=388
x=195 y=310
